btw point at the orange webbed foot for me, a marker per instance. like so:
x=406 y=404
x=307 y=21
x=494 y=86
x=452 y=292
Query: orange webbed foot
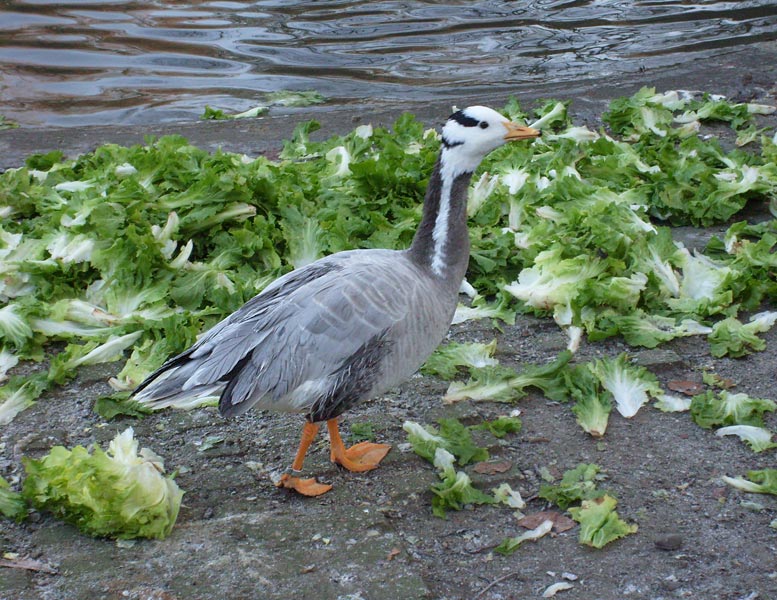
x=306 y=487
x=361 y=457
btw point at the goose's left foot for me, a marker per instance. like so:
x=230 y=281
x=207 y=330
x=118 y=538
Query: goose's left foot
x=363 y=456
x=360 y=457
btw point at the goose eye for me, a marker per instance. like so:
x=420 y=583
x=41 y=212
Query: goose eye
x=483 y=125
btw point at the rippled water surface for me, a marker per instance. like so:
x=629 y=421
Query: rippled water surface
x=89 y=61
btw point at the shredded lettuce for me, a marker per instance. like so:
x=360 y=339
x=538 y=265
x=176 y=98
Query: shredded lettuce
x=162 y=240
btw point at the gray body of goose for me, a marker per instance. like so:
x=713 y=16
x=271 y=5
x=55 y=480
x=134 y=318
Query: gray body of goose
x=349 y=326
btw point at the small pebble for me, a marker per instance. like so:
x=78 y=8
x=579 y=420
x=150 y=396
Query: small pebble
x=669 y=542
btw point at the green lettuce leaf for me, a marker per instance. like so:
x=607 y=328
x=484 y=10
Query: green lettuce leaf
x=452 y=437
x=12 y=504
x=576 y=484
x=758 y=438
x=121 y=493
x=712 y=409
x=763 y=481
x=599 y=522
x=119 y=404
x=446 y=360
x=629 y=384
x=592 y=403
x=455 y=491
x=730 y=337
x=500 y=426
x=20 y=393
x=502 y=384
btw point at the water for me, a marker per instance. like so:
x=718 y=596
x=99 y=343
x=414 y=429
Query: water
x=87 y=61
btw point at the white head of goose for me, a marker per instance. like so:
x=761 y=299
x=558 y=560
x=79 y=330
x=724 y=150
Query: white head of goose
x=349 y=326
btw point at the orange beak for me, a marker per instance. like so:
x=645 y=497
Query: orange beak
x=519 y=132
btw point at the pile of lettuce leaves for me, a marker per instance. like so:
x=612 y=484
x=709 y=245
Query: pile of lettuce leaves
x=130 y=252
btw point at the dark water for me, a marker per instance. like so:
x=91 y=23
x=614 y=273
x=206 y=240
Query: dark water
x=89 y=61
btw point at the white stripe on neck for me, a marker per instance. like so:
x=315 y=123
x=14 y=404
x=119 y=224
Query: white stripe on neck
x=453 y=163
x=440 y=232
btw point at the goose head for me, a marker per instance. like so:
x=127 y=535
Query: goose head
x=471 y=133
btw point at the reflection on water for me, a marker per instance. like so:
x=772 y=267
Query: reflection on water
x=89 y=61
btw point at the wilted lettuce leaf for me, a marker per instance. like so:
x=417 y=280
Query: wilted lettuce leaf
x=592 y=402
x=455 y=490
x=121 y=493
x=19 y=393
x=12 y=504
x=361 y=432
x=502 y=384
x=452 y=436
x=763 y=481
x=629 y=384
x=292 y=98
x=500 y=426
x=599 y=523
x=713 y=408
x=733 y=338
x=481 y=309
x=510 y=545
x=214 y=114
x=758 y=438
x=488 y=383
x=576 y=484
x=119 y=404
x=459 y=442
x=446 y=360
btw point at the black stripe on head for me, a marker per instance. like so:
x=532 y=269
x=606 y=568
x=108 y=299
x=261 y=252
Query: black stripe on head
x=463 y=119
x=448 y=145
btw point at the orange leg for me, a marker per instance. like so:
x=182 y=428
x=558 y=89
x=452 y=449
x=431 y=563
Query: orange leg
x=306 y=487
x=363 y=456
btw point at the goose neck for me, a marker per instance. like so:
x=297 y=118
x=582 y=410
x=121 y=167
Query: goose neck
x=441 y=243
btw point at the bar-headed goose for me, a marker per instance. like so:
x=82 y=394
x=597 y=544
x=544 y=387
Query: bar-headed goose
x=349 y=326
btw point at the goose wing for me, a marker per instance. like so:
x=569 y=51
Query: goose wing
x=302 y=337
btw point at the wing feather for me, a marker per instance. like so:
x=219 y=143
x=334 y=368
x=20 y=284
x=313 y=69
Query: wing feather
x=296 y=333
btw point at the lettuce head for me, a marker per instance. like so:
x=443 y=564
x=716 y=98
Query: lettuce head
x=121 y=493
